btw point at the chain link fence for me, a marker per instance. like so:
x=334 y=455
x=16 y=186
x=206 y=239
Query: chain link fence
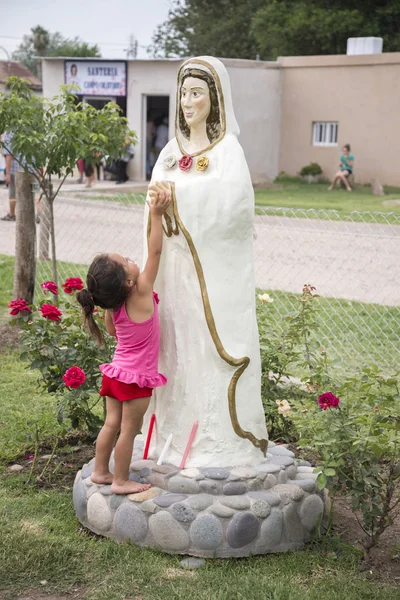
x=352 y=260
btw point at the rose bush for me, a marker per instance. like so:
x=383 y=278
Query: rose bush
x=66 y=356
x=51 y=312
x=49 y=286
x=74 y=377
x=72 y=284
x=18 y=305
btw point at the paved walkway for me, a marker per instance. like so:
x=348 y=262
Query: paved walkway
x=356 y=261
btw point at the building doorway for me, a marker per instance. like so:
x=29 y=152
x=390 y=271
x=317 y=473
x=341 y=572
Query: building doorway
x=156 y=128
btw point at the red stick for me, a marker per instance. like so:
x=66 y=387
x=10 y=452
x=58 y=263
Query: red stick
x=149 y=434
x=189 y=444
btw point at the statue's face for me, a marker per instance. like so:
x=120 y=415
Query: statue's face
x=195 y=101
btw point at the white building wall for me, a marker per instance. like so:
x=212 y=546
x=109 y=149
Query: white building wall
x=256 y=90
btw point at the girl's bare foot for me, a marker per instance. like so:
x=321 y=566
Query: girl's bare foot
x=129 y=487
x=330 y=188
x=102 y=479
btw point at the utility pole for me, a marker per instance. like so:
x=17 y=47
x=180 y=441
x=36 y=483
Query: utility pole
x=131 y=51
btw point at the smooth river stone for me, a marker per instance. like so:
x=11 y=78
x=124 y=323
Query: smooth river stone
x=182 y=485
x=146 y=495
x=182 y=512
x=216 y=473
x=221 y=511
x=270 y=481
x=79 y=499
x=167 y=500
x=234 y=488
x=261 y=509
x=99 y=514
x=280 y=451
x=138 y=465
x=130 y=523
x=281 y=460
x=271 y=530
x=292 y=524
x=206 y=532
x=307 y=476
x=242 y=530
x=87 y=470
x=268 y=468
x=308 y=485
x=191 y=472
x=242 y=473
x=270 y=497
x=167 y=533
x=292 y=492
x=237 y=502
x=200 y=501
x=211 y=486
x=305 y=469
x=310 y=511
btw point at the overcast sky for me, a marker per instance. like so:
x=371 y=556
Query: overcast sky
x=107 y=23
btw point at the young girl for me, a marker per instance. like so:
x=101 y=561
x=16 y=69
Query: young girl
x=346 y=168
x=116 y=284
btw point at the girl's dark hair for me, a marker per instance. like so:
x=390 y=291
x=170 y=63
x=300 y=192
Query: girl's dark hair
x=213 y=123
x=347 y=146
x=106 y=287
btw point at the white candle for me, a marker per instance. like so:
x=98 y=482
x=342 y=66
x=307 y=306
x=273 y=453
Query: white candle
x=164 y=450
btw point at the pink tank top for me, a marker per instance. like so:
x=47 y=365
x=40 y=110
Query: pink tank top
x=136 y=355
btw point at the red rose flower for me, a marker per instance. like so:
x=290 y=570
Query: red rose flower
x=71 y=284
x=18 y=306
x=328 y=400
x=74 y=377
x=185 y=162
x=51 y=312
x=49 y=286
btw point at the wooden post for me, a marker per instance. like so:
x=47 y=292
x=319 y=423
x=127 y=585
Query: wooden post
x=25 y=238
x=45 y=227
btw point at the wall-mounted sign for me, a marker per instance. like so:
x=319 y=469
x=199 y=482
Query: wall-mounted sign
x=96 y=78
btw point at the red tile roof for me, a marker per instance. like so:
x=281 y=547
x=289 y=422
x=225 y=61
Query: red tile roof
x=16 y=69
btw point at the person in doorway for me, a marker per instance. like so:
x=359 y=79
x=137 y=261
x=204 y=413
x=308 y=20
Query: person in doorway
x=122 y=164
x=117 y=285
x=90 y=174
x=81 y=166
x=161 y=138
x=346 y=168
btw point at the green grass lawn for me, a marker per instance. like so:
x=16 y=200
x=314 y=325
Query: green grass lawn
x=43 y=549
x=294 y=194
x=356 y=333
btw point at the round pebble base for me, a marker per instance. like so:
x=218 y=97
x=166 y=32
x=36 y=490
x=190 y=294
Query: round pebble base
x=208 y=512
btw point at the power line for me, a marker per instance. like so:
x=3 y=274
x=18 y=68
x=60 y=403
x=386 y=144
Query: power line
x=121 y=45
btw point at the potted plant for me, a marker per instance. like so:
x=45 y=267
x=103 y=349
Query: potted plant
x=311 y=173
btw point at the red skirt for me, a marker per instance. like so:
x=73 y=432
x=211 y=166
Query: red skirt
x=123 y=391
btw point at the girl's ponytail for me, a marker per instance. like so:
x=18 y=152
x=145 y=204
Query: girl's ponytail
x=86 y=301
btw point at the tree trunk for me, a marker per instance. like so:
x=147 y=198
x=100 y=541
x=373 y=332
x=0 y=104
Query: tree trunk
x=25 y=239
x=53 y=240
x=45 y=227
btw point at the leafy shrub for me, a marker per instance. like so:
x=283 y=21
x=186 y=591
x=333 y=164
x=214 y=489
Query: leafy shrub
x=53 y=340
x=311 y=169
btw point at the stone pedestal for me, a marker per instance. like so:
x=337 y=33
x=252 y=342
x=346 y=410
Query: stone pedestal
x=208 y=512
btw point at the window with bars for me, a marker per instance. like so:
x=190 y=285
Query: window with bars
x=325 y=133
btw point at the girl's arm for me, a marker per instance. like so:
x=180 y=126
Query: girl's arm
x=110 y=327
x=160 y=199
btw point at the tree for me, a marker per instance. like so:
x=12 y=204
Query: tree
x=195 y=27
x=51 y=134
x=42 y=43
x=272 y=28
x=312 y=27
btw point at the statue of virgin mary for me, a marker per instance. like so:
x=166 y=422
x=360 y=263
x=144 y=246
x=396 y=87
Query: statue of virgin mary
x=209 y=337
